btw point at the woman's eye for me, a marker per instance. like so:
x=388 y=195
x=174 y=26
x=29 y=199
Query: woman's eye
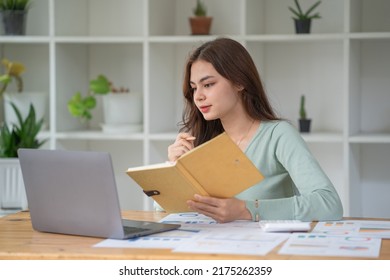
x=208 y=85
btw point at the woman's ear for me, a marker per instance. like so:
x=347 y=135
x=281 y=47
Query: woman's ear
x=239 y=88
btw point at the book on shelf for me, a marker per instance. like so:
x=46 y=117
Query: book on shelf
x=216 y=168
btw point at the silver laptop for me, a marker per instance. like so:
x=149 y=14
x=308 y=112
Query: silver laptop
x=74 y=192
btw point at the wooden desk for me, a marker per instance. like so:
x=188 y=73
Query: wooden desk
x=19 y=241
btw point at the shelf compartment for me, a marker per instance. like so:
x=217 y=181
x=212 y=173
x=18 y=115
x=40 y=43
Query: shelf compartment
x=330 y=156
x=79 y=63
x=290 y=69
x=37 y=22
x=159 y=151
x=35 y=57
x=167 y=61
x=370 y=189
x=170 y=17
x=369 y=87
x=100 y=18
x=369 y=16
x=274 y=17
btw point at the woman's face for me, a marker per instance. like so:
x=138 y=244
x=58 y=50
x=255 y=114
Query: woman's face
x=214 y=96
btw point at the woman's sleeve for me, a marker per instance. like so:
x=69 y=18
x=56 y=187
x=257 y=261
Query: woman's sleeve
x=316 y=197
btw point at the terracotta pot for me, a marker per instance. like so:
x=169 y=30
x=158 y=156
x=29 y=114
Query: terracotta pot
x=200 y=25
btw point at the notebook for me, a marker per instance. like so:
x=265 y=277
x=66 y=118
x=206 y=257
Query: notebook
x=74 y=192
x=216 y=168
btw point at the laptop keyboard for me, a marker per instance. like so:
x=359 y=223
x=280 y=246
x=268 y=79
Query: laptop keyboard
x=130 y=230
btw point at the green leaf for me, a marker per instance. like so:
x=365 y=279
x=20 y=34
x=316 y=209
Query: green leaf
x=24 y=134
x=299 y=14
x=307 y=14
x=80 y=107
x=76 y=97
x=89 y=102
x=5 y=78
x=294 y=12
x=15 y=4
x=100 y=86
x=298 y=7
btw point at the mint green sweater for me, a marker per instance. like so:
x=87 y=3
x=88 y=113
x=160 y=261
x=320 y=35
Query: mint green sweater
x=295 y=186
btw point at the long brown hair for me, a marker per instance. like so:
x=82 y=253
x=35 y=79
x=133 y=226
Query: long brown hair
x=232 y=61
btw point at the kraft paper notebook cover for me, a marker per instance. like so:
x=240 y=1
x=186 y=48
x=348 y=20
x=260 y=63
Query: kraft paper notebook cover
x=216 y=168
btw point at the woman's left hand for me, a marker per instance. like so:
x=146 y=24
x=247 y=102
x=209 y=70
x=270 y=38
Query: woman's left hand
x=222 y=210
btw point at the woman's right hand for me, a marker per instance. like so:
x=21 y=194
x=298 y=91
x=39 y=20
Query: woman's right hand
x=184 y=142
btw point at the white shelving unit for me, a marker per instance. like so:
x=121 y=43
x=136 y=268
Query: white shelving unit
x=342 y=67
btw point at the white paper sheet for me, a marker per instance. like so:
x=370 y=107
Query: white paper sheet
x=164 y=240
x=380 y=229
x=312 y=244
x=201 y=234
x=234 y=241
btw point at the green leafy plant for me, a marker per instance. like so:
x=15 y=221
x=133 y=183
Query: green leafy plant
x=21 y=135
x=300 y=15
x=81 y=106
x=302 y=110
x=13 y=70
x=200 y=9
x=14 y=5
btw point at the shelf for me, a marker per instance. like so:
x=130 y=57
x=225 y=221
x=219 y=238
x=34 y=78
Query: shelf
x=163 y=136
x=98 y=39
x=323 y=137
x=295 y=37
x=25 y=39
x=370 y=138
x=97 y=135
x=369 y=35
x=342 y=67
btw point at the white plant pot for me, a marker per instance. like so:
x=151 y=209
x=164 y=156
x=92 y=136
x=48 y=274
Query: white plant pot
x=122 y=112
x=12 y=191
x=22 y=102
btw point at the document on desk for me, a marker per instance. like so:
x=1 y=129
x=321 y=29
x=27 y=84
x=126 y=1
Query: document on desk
x=311 y=244
x=239 y=241
x=201 y=234
x=164 y=240
x=379 y=229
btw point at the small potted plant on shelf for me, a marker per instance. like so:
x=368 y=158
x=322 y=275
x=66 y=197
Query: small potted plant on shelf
x=304 y=122
x=302 y=19
x=23 y=134
x=21 y=99
x=200 y=23
x=122 y=109
x=14 y=16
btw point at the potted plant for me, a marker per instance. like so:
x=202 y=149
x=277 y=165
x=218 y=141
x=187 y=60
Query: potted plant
x=304 y=122
x=23 y=134
x=302 y=19
x=21 y=99
x=200 y=23
x=122 y=109
x=14 y=15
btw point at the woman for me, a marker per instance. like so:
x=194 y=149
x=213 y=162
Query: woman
x=223 y=92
